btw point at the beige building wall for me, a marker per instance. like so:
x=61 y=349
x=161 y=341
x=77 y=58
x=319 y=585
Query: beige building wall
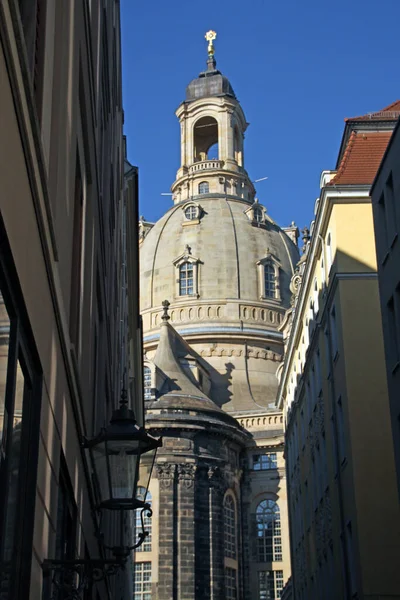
x=62 y=266
x=333 y=391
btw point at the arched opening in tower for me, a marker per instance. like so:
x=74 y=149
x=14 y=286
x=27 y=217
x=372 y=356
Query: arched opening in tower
x=206 y=139
x=238 y=147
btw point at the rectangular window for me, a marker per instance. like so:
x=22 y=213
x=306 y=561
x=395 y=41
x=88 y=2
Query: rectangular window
x=393 y=319
x=186 y=279
x=269 y=281
x=66 y=516
x=142 y=581
x=264 y=462
x=270 y=585
x=329 y=255
x=230 y=584
x=333 y=333
x=390 y=211
x=383 y=240
x=340 y=430
x=20 y=400
x=76 y=262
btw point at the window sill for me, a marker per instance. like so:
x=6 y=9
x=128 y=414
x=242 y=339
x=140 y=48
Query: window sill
x=192 y=222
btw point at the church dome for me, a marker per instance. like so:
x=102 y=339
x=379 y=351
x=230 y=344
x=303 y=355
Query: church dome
x=209 y=83
x=227 y=245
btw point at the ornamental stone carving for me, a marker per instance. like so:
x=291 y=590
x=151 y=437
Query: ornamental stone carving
x=186 y=474
x=165 y=474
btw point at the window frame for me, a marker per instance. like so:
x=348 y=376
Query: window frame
x=269 y=262
x=194 y=262
x=22 y=350
x=203 y=183
x=275 y=542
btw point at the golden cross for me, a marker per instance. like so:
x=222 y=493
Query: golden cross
x=210 y=37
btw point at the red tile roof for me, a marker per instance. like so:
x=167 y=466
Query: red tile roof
x=361 y=159
x=389 y=113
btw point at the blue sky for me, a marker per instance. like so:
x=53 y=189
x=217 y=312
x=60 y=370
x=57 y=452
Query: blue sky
x=298 y=67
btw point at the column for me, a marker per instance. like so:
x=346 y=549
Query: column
x=168 y=538
x=216 y=494
x=186 y=531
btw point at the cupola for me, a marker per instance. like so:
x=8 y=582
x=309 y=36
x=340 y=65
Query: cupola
x=212 y=138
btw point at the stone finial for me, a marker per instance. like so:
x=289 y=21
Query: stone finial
x=165 y=315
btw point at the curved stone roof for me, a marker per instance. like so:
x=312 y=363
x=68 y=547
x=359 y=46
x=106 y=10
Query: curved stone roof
x=227 y=246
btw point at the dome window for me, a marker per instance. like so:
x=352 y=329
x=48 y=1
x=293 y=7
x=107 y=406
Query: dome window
x=269 y=278
x=187 y=274
x=269 y=281
x=258 y=215
x=204 y=188
x=191 y=212
x=186 y=279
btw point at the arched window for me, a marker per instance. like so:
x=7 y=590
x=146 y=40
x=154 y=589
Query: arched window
x=147 y=383
x=229 y=527
x=141 y=495
x=269 y=281
x=258 y=214
x=269 y=543
x=186 y=279
x=204 y=188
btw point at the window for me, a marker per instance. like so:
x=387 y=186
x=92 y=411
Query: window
x=270 y=585
x=142 y=581
x=229 y=526
x=315 y=298
x=258 y=215
x=186 y=279
x=264 y=462
x=340 y=430
x=230 y=584
x=329 y=256
x=146 y=546
x=20 y=397
x=269 y=543
x=333 y=332
x=191 y=212
x=392 y=329
x=269 y=281
x=147 y=383
x=204 y=188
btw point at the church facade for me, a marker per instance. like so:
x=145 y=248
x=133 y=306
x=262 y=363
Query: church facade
x=215 y=275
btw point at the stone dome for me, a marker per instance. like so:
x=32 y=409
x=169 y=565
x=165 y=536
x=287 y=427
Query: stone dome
x=228 y=248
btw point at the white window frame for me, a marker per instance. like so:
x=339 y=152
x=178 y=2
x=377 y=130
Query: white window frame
x=196 y=209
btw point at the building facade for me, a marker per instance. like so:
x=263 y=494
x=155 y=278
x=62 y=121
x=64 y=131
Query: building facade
x=333 y=390
x=215 y=273
x=385 y=195
x=63 y=283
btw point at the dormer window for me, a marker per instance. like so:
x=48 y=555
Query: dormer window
x=269 y=281
x=268 y=278
x=191 y=212
x=258 y=215
x=204 y=187
x=186 y=279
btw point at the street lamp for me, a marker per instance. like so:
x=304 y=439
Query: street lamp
x=114 y=456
